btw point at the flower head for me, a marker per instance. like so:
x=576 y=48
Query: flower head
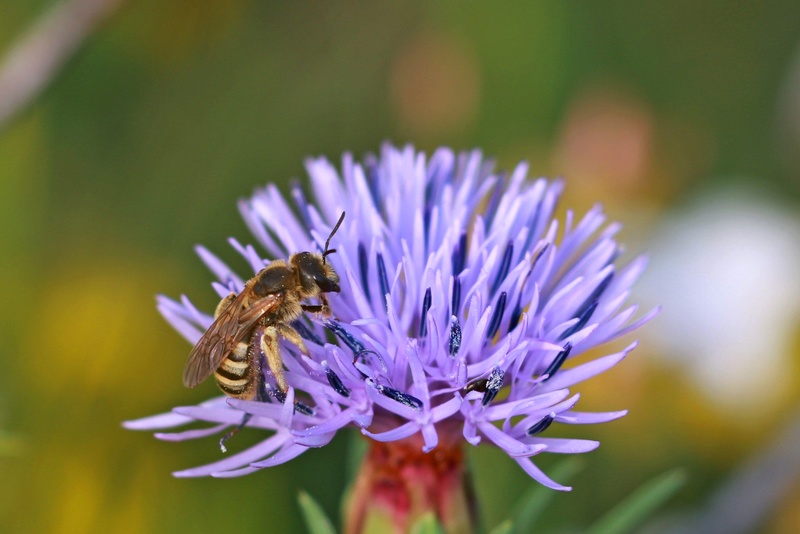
x=461 y=301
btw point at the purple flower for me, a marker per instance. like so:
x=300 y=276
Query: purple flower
x=461 y=304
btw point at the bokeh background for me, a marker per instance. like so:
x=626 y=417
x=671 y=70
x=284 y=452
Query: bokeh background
x=681 y=117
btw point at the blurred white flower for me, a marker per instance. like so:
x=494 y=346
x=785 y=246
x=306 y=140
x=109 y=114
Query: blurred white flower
x=726 y=270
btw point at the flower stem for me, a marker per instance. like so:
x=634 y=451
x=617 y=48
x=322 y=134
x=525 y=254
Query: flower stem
x=398 y=484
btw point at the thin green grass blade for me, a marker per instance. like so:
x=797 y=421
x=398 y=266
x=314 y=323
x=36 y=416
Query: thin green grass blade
x=506 y=527
x=427 y=524
x=356 y=450
x=640 y=504
x=316 y=520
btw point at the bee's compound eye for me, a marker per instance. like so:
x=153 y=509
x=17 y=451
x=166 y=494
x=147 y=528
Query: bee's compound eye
x=315 y=274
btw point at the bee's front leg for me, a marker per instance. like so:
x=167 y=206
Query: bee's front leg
x=322 y=309
x=290 y=334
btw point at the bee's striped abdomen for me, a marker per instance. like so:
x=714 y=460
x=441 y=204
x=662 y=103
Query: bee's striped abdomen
x=238 y=374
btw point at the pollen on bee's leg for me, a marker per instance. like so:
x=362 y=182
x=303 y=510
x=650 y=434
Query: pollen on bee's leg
x=270 y=348
x=233 y=432
x=290 y=334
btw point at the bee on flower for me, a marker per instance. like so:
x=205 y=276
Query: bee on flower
x=462 y=314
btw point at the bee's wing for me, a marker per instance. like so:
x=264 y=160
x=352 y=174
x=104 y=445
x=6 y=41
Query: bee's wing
x=231 y=327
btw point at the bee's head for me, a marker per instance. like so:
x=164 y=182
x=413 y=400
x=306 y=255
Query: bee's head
x=316 y=275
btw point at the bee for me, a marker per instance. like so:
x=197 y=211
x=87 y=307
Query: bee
x=249 y=325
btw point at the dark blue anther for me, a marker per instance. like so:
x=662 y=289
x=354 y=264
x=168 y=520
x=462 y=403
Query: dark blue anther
x=534 y=223
x=505 y=265
x=358 y=348
x=539 y=255
x=542 y=425
x=557 y=362
x=582 y=320
x=493 y=385
x=299 y=407
x=426 y=224
x=497 y=193
x=352 y=343
x=455 y=336
x=497 y=316
x=423 y=321
x=383 y=278
x=515 y=315
x=399 y=396
x=335 y=382
x=455 y=302
x=373 y=179
x=363 y=267
x=306 y=333
x=459 y=256
x=598 y=291
x=430 y=192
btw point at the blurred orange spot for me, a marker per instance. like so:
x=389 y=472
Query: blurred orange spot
x=435 y=84
x=606 y=140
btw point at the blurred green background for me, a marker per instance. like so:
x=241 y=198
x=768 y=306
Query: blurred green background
x=170 y=112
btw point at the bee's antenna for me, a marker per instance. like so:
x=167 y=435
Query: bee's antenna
x=328 y=242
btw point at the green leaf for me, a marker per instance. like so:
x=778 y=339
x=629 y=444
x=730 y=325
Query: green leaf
x=640 y=504
x=503 y=528
x=427 y=524
x=538 y=498
x=356 y=450
x=316 y=520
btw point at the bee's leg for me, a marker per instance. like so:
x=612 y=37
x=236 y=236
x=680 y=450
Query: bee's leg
x=322 y=309
x=276 y=362
x=233 y=432
x=271 y=349
x=290 y=334
x=224 y=303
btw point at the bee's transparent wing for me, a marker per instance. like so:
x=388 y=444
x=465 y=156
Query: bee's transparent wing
x=231 y=327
